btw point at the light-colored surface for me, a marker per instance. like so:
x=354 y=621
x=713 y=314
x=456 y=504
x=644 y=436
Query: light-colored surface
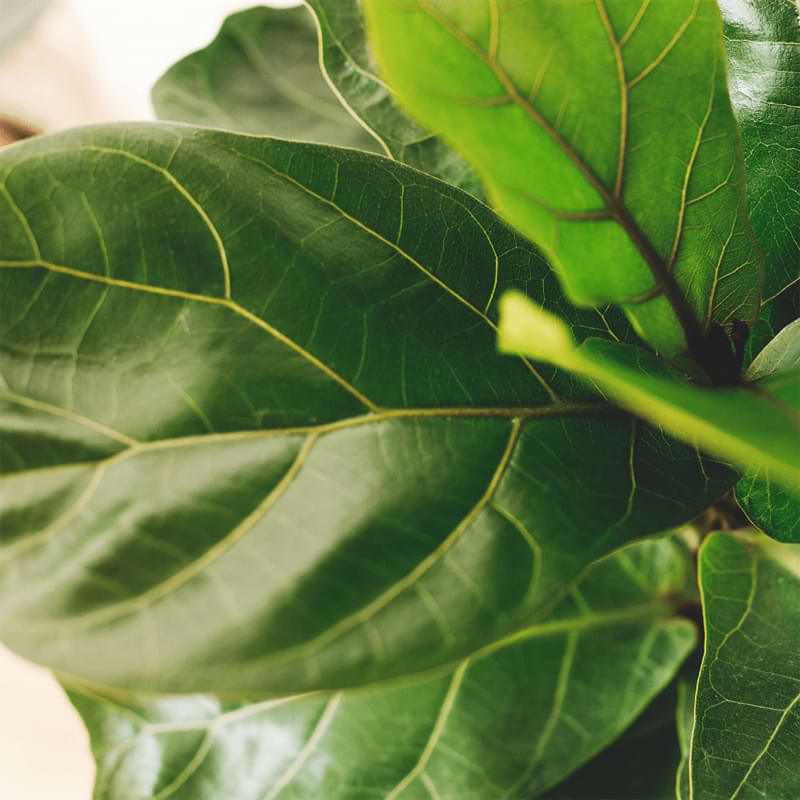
x=86 y=61
x=44 y=749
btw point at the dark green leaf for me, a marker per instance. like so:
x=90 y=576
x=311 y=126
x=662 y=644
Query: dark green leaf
x=260 y=75
x=508 y=722
x=747 y=726
x=640 y=764
x=756 y=424
x=763 y=42
x=773 y=508
x=256 y=429
x=604 y=131
x=349 y=64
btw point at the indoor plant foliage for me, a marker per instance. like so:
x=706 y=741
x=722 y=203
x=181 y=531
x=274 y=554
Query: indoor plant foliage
x=402 y=465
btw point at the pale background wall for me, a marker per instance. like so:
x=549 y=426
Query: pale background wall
x=86 y=61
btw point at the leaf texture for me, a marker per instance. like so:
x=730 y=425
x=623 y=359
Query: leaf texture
x=256 y=383
x=260 y=75
x=506 y=723
x=763 y=43
x=772 y=507
x=347 y=60
x=747 y=713
x=757 y=424
x=604 y=131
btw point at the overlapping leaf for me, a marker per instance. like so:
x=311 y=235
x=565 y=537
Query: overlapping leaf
x=747 y=711
x=256 y=431
x=348 y=62
x=508 y=722
x=260 y=75
x=640 y=764
x=756 y=424
x=763 y=43
x=772 y=507
x=604 y=131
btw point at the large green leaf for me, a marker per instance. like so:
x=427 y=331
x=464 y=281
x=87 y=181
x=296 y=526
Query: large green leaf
x=763 y=43
x=773 y=508
x=604 y=131
x=260 y=75
x=350 y=67
x=747 y=725
x=255 y=383
x=509 y=722
x=756 y=424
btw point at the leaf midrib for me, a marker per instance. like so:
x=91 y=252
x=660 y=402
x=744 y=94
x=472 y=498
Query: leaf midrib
x=614 y=204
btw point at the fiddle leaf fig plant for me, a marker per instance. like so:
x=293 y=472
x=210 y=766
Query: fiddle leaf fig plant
x=322 y=478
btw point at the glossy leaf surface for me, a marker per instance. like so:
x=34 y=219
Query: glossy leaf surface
x=349 y=64
x=573 y=113
x=507 y=723
x=747 y=722
x=756 y=424
x=773 y=508
x=260 y=75
x=763 y=42
x=256 y=383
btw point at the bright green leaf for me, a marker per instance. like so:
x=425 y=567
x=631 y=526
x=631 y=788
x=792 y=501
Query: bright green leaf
x=747 y=726
x=604 y=131
x=260 y=75
x=773 y=508
x=763 y=43
x=509 y=722
x=255 y=383
x=754 y=424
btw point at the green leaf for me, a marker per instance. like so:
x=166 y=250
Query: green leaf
x=603 y=130
x=747 y=724
x=763 y=43
x=509 y=722
x=256 y=383
x=640 y=764
x=756 y=424
x=260 y=75
x=774 y=317
x=348 y=62
x=773 y=508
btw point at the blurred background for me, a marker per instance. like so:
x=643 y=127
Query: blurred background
x=65 y=63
